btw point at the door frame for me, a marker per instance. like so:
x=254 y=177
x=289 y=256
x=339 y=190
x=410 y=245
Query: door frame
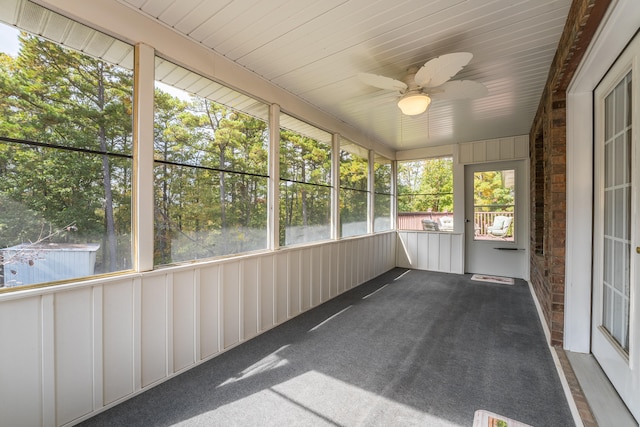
x=518 y=250
x=622 y=368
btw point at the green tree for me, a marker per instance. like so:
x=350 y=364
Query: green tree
x=493 y=190
x=57 y=97
x=425 y=185
x=210 y=179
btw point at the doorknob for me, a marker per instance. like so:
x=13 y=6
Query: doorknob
x=638 y=249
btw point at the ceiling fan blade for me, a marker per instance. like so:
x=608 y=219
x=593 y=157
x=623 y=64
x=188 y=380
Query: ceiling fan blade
x=438 y=70
x=459 y=89
x=382 y=82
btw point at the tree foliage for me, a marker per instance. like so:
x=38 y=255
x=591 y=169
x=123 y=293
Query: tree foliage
x=305 y=193
x=493 y=190
x=210 y=179
x=55 y=97
x=425 y=185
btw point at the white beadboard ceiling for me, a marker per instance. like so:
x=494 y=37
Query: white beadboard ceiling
x=315 y=49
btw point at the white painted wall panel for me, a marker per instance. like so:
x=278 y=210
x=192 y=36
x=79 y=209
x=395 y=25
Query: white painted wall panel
x=510 y=148
x=118 y=350
x=326 y=269
x=434 y=251
x=266 y=293
x=305 y=279
x=250 y=310
x=282 y=287
x=347 y=250
x=403 y=258
x=337 y=272
x=521 y=147
x=457 y=254
x=316 y=275
x=341 y=251
x=466 y=153
x=184 y=334
x=507 y=148
x=444 y=262
x=73 y=354
x=209 y=311
x=154 y=329
x=20 y=370
x=493 y=150
x=480 y=151
x=420 y=250
x=294 y=283
x=103 y=341
x=430 y=251
x=231 y=303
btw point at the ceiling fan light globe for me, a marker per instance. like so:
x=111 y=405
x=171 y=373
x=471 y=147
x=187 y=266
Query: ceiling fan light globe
x=414 y=104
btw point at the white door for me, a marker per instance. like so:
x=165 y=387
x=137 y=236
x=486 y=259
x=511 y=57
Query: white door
x=616 y=274
x=496 y=218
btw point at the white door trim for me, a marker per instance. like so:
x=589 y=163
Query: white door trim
x=616 y=30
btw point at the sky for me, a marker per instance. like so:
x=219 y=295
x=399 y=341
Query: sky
x=8 y=40
x=9 y=44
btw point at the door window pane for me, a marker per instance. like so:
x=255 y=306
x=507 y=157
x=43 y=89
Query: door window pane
x=494 y=205
x=617 y=213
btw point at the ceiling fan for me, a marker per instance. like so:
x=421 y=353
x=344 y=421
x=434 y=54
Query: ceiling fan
x=431 y=81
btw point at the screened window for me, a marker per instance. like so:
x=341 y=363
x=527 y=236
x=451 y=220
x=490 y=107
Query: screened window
x=425 y=194
x=382 y=175
x=65 y=150
x=305 y=182
x=211 y=168
x=354 y=190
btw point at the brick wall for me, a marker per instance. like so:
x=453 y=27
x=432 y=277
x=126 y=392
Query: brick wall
x=548 y=165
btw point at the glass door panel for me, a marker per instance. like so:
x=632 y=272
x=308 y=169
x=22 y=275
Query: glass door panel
x=494 y=204
x=617 y=213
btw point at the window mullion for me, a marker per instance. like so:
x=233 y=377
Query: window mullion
x=143 y=158
x=335 y=186
x=273 y=221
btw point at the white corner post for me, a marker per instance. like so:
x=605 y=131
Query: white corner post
x=335 y=186
x=273 y=194
x=143 y=205
x=371 y=193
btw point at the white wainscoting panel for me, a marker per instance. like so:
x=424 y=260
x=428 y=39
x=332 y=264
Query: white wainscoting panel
x=154 y=345
x=282 y=286
x=118 y=332
x=72 y=351
x=493 y=150
x=184 y=333
x=267 y=293
x=209 y=311
x=425 y=250
x=21 y=361
x=294 y=283
x=306 y=282
x=316 y=275
x=250 y=295
x=231 y=313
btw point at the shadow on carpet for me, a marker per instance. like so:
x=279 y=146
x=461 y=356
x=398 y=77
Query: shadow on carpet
x=407 y=348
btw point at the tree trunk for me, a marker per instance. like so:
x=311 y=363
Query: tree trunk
x=106 y=180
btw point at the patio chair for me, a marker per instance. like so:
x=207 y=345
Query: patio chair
x=446 y=223
x=430 y=225
x=500 y=226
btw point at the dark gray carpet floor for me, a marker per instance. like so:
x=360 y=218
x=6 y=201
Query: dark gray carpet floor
x=425 y=349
